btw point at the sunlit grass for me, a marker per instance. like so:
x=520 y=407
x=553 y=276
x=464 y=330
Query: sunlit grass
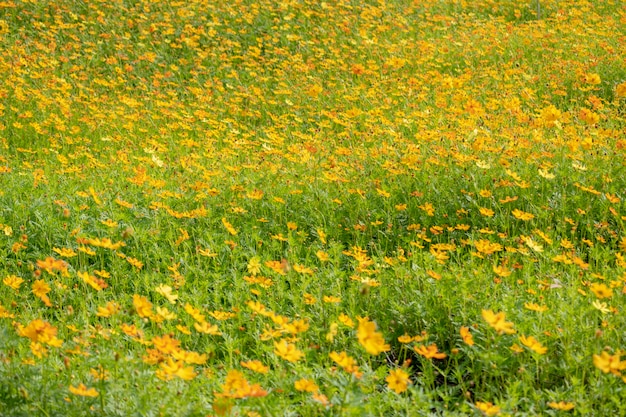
x=338 y=208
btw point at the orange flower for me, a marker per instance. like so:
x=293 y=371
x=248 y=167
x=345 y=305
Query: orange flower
x=430 y=351
x=467 y=336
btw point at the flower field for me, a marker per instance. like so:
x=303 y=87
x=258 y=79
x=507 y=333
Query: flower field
x=294 y=208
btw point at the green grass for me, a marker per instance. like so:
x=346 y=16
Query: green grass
x=418 y=164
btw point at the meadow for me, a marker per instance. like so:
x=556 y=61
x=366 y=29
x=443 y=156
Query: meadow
x=294 y=208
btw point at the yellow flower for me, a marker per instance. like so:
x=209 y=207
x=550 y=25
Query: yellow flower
x=322 y=256
x=488 y=408
x=486 y=212
x=346 y=362
x=83 y=391
x=236 y=386
x=561 y=405
x=254 y=265
x=609 y=363
x=345 y=320
x=40 y=331
x=229 y=227
x=601 y=290
x=65 y=252
x=369 y=338
x=40 y=288
x=108 y=310
x=166 y=291
x=398 y=381
x=142 y=306
x=306 y=385
x=256 y=366
x=522 y=215
x=550 y=116
x=4 y=313
x=592 y=78
x=535 y=307
x=13 y=282
x=533 y=344
x=207 y=328
x=172 y=368
x=620 y=90
x=497 y=321
x=287 y=351
x=501 y=271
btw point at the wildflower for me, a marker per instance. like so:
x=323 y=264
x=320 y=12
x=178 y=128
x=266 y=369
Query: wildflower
x=430 y=352
x=309 y=299
x=369 y=338
x=229 y=227
x=41 y=289
x=497 y=321
x=108 y=310
x=533 y=344
x=306 y=385
x=601 y=290
x=13 y=281
x=501 y=271
x=83 y=391
x=50 y=265
x=591 y=78
x=488 y=408
x=561 y=405
x=4 y=313
x=467 y=336
x=620 y=90
x=166 y=291
x=164 y=314
x=254 y=266
x=206 y=328
x=256 y=366
x=166 y=344
x=331 y=299
x=287 y=351
x=172 y=368
x=142 y=306
x=322 y=399
x=135 y=262
x=487 y=247
x=608 y=363
x=486 y=212
x=535 y=307
x=92 y=281
x=550 y=116
x=236 y=386
x=346 y=362
x=65 y=252
x=398 y=381
x=40 y=331
x=522 y=215
x=602 y=307
x=184 y=235
x=345 y=320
